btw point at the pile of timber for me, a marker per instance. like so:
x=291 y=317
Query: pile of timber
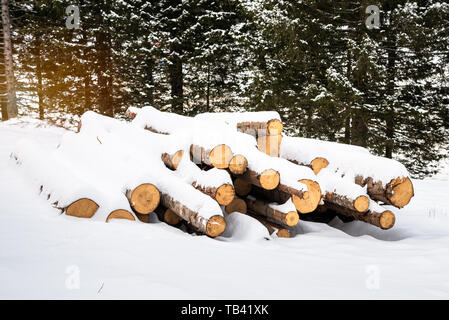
x=192 y=173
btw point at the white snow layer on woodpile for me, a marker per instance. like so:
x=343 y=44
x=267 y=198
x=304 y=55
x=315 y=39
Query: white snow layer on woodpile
x=234 y=118
x=346 y=160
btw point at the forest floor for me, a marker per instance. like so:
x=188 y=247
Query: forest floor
x=47 y=255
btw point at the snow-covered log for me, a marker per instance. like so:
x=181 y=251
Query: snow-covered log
x=270 y=145
x=140 y=152
x=255 y=123
x=144 y=198
x=167 y=215
x=386 y=180
x=238 y=164
x=120 y=214
x=215 y=183
x=172 y=160
x=284 y=214
x=376 y=215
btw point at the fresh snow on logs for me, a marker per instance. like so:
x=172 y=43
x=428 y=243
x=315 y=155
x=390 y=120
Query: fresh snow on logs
x=139 y=151
x=215 y=182
x=386 y=180
x=254 y=123
x=272 y=227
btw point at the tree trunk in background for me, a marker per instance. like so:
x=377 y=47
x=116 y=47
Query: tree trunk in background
x=8 y=95
x=391 y=71
x=38 y=62
x=176 y=81
x=103 y=63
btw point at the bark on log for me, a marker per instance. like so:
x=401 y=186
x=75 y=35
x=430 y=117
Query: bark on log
x=270 y=145
x=237 y=205
x=82 y=208
x=212 y=227
x=219 y=157
x=262 y=208
x=120 y=214
x=238 y=164
x=384 y=220
x=360 y=204
x=398 y=192
x=271 y=127
x=172 y=161
x=224 y=194
x=268 y=179
x=273 y=228
x=144 y=199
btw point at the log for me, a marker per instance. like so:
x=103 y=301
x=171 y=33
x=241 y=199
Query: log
x=238 y=164
x=317 y=164
x=383 y=219
x=120 y=214
x=360 y=204
x=272 y=227
x=144 y=199
x=213 y=227
x=242 y=187
x=270 y=145
x=398 y=192
x=237 y=205
x=268 y=179
x=224 y=194
x=82 y=208
x=269 y=128
x=219 y=157
x=304 y=201
x=262 y=208
x=172 y=161
x=168 y=216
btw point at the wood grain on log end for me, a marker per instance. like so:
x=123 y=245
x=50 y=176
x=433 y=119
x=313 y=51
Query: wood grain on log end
x=387 y=220
x=220 y=156
x=120 y=214
x=361 y=204
x=269 y=179
x=225 y=194
x=171 y=218
x=172 y=161
x=291 y=218
x=242 y=187
x=238 y=164
x=311 y=198
x=216 y=225
x=275 y=127
x=237 y=205
x=144 y=199
x=82 y=208
x=318 y=164
x=401 y=192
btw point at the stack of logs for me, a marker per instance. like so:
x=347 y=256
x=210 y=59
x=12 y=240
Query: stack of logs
x=261 y=194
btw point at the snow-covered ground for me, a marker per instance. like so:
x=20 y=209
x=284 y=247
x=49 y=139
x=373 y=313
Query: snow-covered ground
x=47 y=255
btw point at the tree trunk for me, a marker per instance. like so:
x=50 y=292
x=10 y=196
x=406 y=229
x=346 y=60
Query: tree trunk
x=9 y=105
x=40 y=93
x=262 y=208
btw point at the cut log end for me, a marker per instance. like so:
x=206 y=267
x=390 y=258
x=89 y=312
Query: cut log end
x=311 y=198
x=292 y=218
x=225 y=194
x=220 y=156
x=269 y=179
x=387 y=220
x=120 y=214
x=82 y=208
x=270 y=145
x=216 y=225
x=144 y=199
x=402 y=192
x=361 y=204
x=237 y=205
x=275 y=127
x=242 y=187
x=283 y=233
x=238 y=164
x=318 y=164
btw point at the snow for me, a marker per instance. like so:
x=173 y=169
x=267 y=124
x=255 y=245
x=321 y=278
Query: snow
x=234 y=118
x=346 y=160
x=42 y=253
